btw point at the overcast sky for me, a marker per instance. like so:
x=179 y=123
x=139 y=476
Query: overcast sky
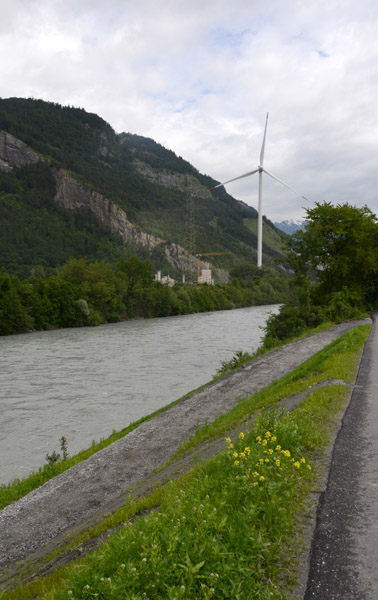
x=199 y=76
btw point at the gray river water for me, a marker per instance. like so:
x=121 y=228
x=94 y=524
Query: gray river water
x=84 y=383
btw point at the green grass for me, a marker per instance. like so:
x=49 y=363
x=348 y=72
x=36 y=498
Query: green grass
x=220 y=530
x=271 y=238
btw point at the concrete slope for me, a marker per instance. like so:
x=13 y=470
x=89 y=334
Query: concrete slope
x=103 y=481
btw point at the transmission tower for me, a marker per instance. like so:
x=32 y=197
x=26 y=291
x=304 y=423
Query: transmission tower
x=190 y=262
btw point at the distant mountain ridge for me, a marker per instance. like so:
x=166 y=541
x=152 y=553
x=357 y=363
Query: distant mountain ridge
x=290 y=226
x=71 y=186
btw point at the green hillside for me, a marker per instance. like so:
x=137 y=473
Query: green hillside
x=148 y=182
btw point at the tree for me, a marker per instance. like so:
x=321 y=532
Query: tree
x=340 y=248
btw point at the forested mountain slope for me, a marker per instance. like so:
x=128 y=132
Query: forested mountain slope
x=71 y=187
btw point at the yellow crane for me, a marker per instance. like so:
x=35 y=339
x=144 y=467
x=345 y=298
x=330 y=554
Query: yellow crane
x=206 y=254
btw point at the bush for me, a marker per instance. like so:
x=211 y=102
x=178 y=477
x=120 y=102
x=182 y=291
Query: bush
x=342 y=305
x=289 y=322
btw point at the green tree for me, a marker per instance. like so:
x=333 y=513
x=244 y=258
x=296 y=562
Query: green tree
x=340 y=248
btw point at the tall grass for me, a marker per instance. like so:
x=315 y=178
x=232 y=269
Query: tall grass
x=220 y=535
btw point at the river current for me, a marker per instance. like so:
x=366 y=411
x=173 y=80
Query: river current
x=84 y=383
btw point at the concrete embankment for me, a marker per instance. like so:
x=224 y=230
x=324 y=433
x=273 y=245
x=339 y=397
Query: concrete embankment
x=43 y=519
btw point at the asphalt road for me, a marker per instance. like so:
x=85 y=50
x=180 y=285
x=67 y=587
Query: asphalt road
x=344 y=554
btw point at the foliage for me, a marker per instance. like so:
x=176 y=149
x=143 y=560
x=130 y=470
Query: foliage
x=340 y=244
x=335 y=264
x=240 y=358
x=90 y=293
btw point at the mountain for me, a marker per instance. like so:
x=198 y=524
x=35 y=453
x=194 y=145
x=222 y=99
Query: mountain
x=290 y=226
x=71 y=186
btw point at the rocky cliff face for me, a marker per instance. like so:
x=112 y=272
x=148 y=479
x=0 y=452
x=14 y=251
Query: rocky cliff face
x=73 y=195
x=14 y=153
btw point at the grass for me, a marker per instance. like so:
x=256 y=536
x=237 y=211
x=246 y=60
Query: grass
x=228 y=528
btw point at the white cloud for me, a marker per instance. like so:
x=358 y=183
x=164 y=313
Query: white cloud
x=199 y=78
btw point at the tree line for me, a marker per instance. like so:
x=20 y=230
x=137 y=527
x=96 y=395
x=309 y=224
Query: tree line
x=91 y=293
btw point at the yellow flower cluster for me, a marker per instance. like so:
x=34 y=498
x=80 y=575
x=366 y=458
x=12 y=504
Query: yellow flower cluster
x=268 y=442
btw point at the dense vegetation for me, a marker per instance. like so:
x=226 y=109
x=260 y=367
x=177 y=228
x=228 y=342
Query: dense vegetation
x=335 y=264
x=85 y=293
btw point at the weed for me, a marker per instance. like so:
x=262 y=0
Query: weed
x=239 y=358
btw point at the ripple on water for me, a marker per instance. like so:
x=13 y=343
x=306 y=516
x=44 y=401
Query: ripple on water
x=83 y=383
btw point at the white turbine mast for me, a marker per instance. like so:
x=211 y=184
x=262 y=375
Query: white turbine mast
x=260 y=170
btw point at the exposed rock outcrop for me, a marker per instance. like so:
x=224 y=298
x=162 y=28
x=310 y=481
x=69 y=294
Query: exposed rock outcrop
x=72 y=195
x=14 y=153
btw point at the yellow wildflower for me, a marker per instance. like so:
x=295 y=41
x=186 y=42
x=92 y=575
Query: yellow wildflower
x=261 y=461
x=274 y=439
x=231 y=446
x=247 y=450
x=267 y=460
x=270 y=450
x=235 y=455
x=255 y=483
x=258 y=439
x=242 y=454
x=309 y=467
x=228 y=440
x=297 y=464
x=268 y=434
x=255 y=474
x=241 y=435
x=278 y=448
x=236 y=462
x=278 y=462
x=303 y=460
x=264 y=442
x=261 y=478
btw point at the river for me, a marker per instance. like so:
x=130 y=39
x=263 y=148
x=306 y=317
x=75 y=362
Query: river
x=84 y=383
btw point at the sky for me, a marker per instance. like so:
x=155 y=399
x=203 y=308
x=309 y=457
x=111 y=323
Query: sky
x=199 y=76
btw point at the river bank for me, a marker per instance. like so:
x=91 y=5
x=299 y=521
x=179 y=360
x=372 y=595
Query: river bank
x=49 y=516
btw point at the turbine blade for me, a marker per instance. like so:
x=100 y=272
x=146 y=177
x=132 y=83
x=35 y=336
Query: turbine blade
x=285 y=184
x=263 y=144
x=234 y=179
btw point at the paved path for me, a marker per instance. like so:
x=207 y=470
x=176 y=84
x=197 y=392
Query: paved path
x=99 y=483
x=344 y=561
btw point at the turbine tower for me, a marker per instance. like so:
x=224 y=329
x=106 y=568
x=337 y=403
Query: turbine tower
x=260 y=170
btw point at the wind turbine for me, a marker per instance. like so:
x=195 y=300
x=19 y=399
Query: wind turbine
x=260 y=170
